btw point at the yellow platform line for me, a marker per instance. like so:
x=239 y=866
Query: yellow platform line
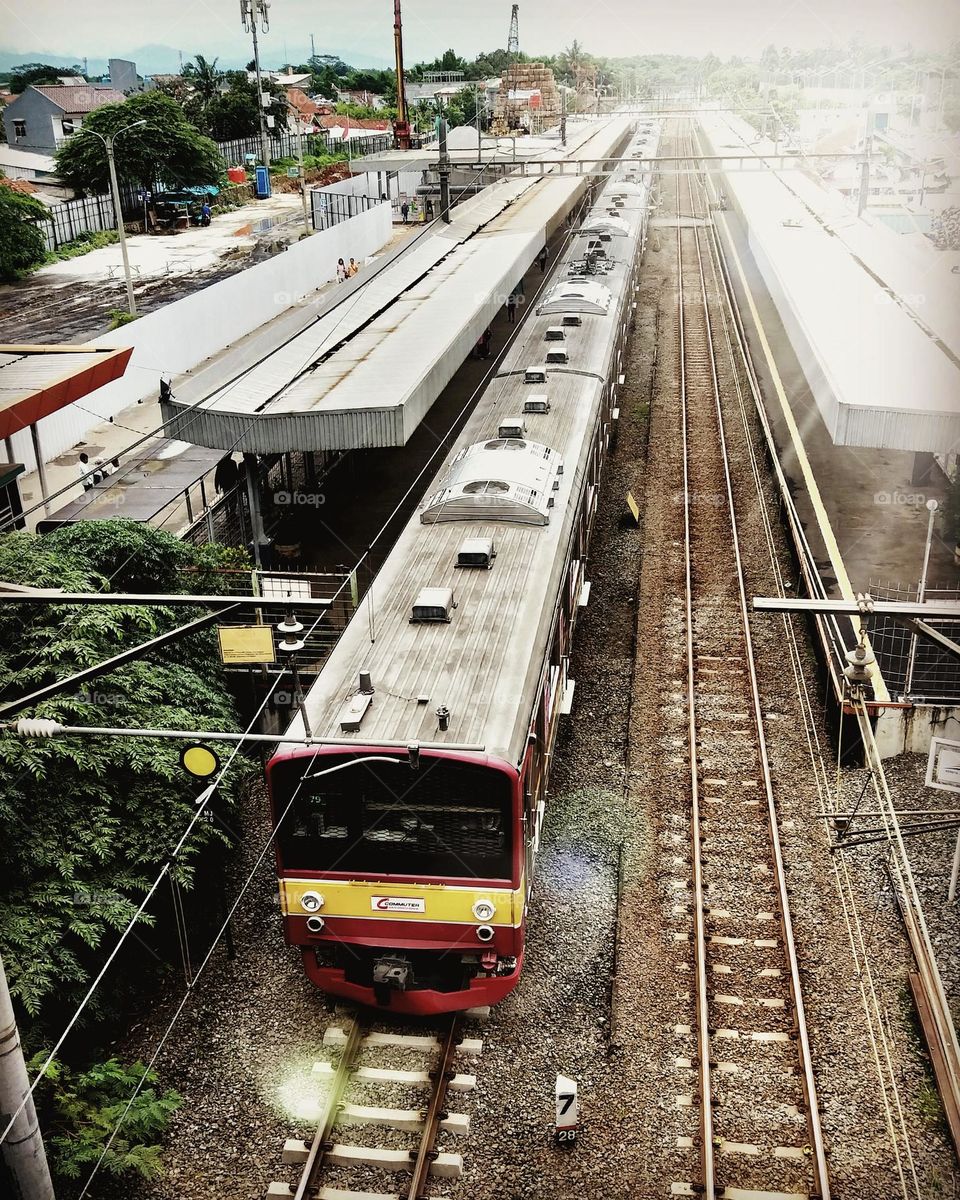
x=880 y=691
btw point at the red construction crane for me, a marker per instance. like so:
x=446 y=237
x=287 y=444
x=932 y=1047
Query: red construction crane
x=401 y=126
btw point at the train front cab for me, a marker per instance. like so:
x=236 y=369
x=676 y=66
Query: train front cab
x=403 y=886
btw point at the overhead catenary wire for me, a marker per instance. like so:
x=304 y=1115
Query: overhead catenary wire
x=309 y=761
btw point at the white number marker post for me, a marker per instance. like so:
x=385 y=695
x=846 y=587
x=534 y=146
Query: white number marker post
x=567 y=1111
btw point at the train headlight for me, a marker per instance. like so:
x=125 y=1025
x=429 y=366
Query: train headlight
x=485 y=933
x=315 y=924
x=484 y=909
x=311 y=902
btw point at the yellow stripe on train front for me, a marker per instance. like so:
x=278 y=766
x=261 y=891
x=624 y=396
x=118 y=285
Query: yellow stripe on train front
x=406 y=901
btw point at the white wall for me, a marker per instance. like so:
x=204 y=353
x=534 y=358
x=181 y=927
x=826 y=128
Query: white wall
x=182 y=335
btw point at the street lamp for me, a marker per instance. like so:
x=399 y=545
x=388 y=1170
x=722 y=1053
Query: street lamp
x=108 y=141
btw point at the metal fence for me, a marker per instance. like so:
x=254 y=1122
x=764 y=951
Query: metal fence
x=330 y=208
x=92 y=214
x=280 y=591
x=936 y=674
x=282 y=145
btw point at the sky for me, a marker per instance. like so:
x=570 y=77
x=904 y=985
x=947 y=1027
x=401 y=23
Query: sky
x=104 y=28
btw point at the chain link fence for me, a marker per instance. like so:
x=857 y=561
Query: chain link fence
x=936 y=673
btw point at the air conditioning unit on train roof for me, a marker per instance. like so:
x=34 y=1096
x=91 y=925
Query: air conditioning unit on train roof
x=554 y=333
x=535 y=374
x=538 y=403
x=557 y=355
x=571 y=319
x=476 y=552
x=511 y=427
x=433 y=604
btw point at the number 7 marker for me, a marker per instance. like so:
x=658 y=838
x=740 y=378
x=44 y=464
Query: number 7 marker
x=567 y=1111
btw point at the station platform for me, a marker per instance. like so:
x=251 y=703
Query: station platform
x=882 y=375
x=364 y=372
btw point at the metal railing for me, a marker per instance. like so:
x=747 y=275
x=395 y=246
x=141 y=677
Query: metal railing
x=936 y=673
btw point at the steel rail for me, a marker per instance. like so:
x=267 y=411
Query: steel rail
x=699 y=898
x=426 y=1152
x=322 y=1143
x=786 y=922
x=873 y=1009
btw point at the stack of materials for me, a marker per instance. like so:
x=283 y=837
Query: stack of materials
x=945 y=229
x=528 y=99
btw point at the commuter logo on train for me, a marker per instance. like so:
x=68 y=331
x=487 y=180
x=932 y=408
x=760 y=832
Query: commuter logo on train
x=407 y=904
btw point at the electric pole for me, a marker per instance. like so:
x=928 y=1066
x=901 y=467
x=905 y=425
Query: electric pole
x=23 y=1150
x=444 y=170
x=251 y=12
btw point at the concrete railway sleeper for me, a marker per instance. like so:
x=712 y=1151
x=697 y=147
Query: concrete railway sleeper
x=327 y=1155
x=759 y=1125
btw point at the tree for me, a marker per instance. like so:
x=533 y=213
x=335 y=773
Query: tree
x=204 y=77
x=37 y=73
x=78 y=1111
x=168 y=149
x=21 y=244
x=87 y=822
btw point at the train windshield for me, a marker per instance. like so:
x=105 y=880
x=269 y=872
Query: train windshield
x=447 y=819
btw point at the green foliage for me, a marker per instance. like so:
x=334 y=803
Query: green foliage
x=86 y=821
x=120 y=317
x=21 y=244
x=79 y=1110
x=83 y=244
x=38 y=73
x=167 y=148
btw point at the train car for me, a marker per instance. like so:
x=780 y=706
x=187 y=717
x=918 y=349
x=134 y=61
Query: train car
x=408 y=830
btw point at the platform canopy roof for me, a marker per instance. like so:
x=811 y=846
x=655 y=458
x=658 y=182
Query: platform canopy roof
x=36 y=381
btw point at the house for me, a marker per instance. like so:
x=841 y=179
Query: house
x=338 y=126
x=41 y=118
x=307 y=112
x=361 y=99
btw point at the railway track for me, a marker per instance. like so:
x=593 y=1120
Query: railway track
x=333 y=1166
x=759 y=1133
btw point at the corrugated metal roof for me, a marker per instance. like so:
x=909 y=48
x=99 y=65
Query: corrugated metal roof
x=36 y=381
x=485 y=664
x=880 y=380
x=368 y=370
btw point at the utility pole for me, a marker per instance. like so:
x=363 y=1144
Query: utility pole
x=563 y=117
x=444 y=169
x=313 y=49
x=251 y=11
x=108 y=142
x=23 y=1150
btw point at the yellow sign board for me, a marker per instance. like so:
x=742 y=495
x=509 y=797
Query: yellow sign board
x=246 y=644
x=634 y=507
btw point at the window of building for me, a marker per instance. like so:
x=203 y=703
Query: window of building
x=68 y=126
x=20 y=129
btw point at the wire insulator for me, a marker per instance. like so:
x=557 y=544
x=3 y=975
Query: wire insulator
x=38 y=727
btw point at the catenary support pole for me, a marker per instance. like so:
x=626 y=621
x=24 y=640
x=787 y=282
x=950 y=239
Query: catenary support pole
x=444 y=167
x=23 y=1150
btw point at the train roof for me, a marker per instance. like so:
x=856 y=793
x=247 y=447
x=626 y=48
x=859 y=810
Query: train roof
x=476 y=644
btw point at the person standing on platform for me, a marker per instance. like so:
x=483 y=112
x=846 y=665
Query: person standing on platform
x=405 y=212
x=512 y=308
x=341 y=271
x=542 y=260
x=353 y=268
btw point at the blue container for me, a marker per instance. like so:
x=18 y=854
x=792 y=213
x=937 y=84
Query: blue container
x=263 y=183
